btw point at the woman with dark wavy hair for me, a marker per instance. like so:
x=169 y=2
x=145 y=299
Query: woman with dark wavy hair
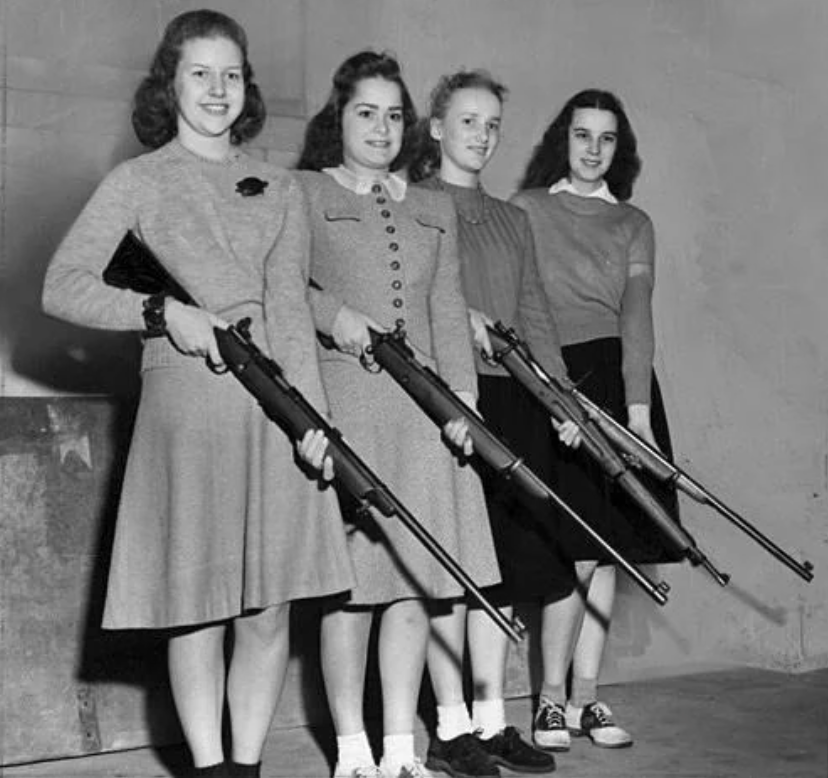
x=596 y=255
x=217 y=529
x=155 y=113
x=322 y=146
x=550 y=159
x=385 y=256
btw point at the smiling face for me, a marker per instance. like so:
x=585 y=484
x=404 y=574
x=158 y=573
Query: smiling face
x=209 y=89
x=372 y=127
x=593 y=138
x=468 y=134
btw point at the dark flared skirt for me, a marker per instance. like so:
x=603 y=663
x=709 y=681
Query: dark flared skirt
x=595 y=366
x=525 y=531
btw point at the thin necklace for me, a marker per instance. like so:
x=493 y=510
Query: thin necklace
x=482 y=209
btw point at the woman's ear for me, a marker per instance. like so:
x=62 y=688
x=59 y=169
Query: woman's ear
x=436 y=129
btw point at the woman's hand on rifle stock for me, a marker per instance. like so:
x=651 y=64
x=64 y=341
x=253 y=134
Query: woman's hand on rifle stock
x=191 y=330
x=479 y=322
x=638 y=421
x=312 y=449
x=457 y=430
x=568 y=432
x=351 y=331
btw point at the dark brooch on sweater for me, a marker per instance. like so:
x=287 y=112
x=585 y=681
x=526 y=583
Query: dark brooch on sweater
x=251 y=186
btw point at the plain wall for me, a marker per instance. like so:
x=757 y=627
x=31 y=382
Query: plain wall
x=728 y=101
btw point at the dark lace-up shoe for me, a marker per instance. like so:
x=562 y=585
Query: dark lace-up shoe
x=509 y=750
x=461 y=757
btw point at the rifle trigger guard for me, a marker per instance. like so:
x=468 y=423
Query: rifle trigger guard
x=217 y=369
x=366 y=359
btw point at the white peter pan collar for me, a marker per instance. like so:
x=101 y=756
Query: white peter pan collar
x=395 y=185
x=601 y=193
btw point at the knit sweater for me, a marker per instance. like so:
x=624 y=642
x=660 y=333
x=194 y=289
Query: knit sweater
x=232 y=252
x=500 y=272
x=395 y=262
x=597 y=269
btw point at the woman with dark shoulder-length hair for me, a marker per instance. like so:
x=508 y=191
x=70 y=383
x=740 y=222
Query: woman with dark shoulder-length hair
x=385 y=256
x=596 y=255
x=217 y=529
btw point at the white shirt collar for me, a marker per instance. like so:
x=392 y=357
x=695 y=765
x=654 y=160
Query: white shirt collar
x=602 y=192
x=395 y=185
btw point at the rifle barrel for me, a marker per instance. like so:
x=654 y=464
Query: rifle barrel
x=289 y=408
x=135 y=267
x=441 y=404
x=644 y=455
x=560 y=402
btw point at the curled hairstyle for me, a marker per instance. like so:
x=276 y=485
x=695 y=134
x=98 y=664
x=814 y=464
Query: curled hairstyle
x=550 y=159
x=322 y=145
x=427 y=158
x=155 y=112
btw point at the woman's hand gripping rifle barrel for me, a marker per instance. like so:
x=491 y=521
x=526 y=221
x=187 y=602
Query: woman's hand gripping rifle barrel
x=617 y=450
x=135 y=267
x=511 y=352
x=441 y=404
x=285 y=405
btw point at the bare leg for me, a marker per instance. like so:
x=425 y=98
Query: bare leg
x=196 y=667
x=344 y=648
x=402 y=652
x=560 y=629
x=256 y=677
x=589 y=650
x=488 y=650
x=596 y=722
x=446 y=645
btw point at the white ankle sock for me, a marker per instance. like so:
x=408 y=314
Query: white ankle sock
x=489 y=717
x=354 y=750
x=397 y=750
x=453 y=721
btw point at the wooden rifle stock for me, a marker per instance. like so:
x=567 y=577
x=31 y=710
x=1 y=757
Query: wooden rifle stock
x=560 y=402
x=441 y=404
x=135 y=267
x=567 y=402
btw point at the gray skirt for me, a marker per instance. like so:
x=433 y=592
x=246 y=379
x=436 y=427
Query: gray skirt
x=404 y=448
x=215 y=519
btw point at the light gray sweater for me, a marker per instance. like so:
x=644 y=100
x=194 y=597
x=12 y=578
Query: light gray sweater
x=597 y=268
x=229 y=251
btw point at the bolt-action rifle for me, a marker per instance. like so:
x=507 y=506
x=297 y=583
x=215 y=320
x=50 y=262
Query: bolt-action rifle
x=135 y=267
x=441 y=404
x=619 y=450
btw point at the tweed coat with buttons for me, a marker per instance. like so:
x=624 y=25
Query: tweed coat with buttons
x=397 y=262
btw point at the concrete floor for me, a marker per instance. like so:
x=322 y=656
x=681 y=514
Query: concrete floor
x=739 y=723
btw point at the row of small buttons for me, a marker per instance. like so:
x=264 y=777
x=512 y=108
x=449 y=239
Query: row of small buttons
x=395 y=265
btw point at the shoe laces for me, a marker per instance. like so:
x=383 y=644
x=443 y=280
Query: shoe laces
x=510 y=735
x=602 y=713
x=551 y=715
x=414 y=769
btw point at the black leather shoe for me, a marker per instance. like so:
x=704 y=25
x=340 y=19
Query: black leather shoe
x=508 y=749
x=461 y=757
